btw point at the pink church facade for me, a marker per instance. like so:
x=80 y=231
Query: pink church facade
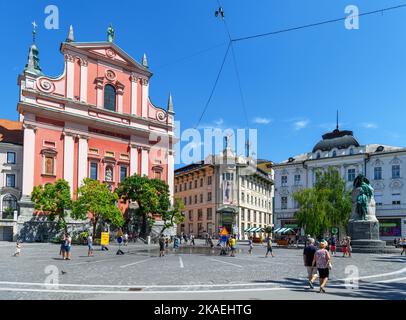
x=95 y=120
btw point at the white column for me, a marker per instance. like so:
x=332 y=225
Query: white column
x=133 y=159
x=134 y=94
x=144 y=161
x=120 y=93
x=171 y=170
x=68 y=159
x=70 y=75
x=99 y=87
x=28 y=162
x=82 y=159
x=83 y=80
x=145 y=89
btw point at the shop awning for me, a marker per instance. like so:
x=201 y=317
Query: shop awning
x=283 y=230
x=253 y=229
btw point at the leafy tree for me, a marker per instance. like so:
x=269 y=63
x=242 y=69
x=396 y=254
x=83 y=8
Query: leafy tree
x=338 y=198
x=153 y=198
x=145 y=194
x=97 y=202
x=53 y=199
x=268 y=230
x=174 y=216
x=324 y=206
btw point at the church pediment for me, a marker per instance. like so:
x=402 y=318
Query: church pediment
x=108 y=52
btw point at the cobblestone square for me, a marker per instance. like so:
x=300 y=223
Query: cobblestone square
x=191 y=273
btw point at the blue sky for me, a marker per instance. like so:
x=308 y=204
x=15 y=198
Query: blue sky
x=293 y=83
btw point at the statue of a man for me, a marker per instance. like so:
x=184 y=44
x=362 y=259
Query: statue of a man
x=365 y=194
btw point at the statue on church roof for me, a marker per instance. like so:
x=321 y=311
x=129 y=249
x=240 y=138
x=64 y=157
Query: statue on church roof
x=110 y=34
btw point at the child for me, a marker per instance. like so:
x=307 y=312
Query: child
x=18 y=249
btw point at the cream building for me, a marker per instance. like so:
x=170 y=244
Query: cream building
x=11 y=162
x=225 y=190
x=384 y=166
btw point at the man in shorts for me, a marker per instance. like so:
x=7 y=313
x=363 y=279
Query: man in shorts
x=269 y=246
x=308 y=255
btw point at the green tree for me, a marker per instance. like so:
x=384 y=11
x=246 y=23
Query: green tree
x=145 y=194
x=326 y=205
x=94 y=198
x=338 y=198
x=53 y=199
x=268 y=230
x=174 y=216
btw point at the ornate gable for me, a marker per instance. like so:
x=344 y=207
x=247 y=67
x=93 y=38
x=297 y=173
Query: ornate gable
x=108 y=52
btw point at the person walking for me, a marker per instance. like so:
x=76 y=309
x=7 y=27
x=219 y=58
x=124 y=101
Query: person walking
x=344 y=246
x=269 y=246
x=349 y=247
x=185 y=238
x=322 y=260
x=308 y=257
x=192 y=240
x=176 y=243
x=402 y=244
x=233 y=243
x=18 y=249
x=250 y=244
x=90 y=245
x=333 y=245
x=211 y=242
x=161 y=246
x=125 y=238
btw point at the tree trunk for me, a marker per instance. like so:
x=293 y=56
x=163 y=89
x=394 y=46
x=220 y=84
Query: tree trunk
x=143 y=226
x=94 y=228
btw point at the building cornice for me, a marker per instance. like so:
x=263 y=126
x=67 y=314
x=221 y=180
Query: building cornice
x=58 y=114
x=89 y=107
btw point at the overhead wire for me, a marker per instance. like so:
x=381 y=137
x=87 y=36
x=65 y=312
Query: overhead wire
x=317 y=23
x=214 y=86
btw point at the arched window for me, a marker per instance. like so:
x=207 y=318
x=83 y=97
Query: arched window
x=351 y=151
x=109 y=97
x=9 y=203
x=334 y=153
x=318 y=155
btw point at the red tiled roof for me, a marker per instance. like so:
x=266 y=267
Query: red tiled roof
x=11 y=131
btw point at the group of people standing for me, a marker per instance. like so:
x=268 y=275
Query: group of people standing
x=346 y=247
x=66 y=246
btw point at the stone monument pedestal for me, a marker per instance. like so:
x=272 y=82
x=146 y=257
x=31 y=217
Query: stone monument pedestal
x=365 y=237
x=365 y=230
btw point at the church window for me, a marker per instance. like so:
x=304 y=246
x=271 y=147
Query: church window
x=109 y=97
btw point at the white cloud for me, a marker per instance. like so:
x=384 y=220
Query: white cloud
x=259 y=120
x=369 y=125
x=301 y=124
x=219 y=122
